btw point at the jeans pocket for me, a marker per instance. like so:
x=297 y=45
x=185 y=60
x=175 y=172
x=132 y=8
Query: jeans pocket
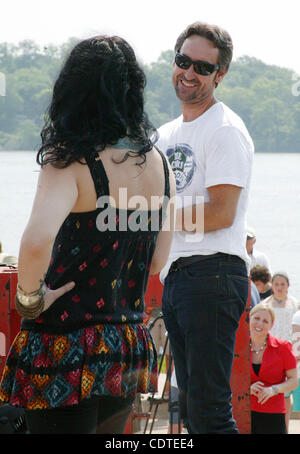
x=238 y=287
x=205 y=285
x=201 y=270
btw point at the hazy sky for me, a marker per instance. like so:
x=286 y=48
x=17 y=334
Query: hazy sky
x=266 y=29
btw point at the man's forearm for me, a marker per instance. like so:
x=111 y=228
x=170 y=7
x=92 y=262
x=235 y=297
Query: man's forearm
x=202 y=218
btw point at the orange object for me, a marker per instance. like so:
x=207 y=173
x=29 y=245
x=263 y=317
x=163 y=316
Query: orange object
x=129 y=429
x=153 y=296
x=9 y=318
x=240 y=376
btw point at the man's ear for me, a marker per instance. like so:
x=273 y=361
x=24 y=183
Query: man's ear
x=220 y=76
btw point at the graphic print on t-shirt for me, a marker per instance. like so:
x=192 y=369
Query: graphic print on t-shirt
x=182 y=160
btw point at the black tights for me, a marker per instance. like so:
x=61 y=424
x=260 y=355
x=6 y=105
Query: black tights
x=99 y=415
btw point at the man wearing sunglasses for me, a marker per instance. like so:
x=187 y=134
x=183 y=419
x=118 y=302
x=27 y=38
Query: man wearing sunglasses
x=206 y=276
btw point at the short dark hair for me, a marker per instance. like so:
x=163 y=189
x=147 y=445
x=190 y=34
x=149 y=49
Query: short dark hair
x=213 y=33
x=260 y=273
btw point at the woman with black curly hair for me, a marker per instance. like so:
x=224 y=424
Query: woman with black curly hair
x=83 y=351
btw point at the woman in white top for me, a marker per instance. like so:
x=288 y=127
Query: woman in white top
x=296 y=347
x=284 y=306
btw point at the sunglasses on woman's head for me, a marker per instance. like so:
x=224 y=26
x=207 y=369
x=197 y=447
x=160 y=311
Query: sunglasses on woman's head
x=200 y=67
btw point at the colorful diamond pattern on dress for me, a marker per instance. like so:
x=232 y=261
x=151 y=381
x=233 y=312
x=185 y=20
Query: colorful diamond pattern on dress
x=101 y=346
x=111 y=360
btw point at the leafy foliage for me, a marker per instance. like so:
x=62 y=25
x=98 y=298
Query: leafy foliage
x=261 y=94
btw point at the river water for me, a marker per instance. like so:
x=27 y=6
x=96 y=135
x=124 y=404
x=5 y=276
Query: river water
x=274 y=209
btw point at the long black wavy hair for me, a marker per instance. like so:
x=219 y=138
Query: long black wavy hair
x=97 y=99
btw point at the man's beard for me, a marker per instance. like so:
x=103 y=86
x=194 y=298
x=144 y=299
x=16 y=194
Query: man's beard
x=195 y=95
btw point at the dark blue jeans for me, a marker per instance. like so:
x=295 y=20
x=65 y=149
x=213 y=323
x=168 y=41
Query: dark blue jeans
x=202 y=304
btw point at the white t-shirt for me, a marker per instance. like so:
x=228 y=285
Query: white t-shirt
x=296 y=318
x=282 y=327
x=213 y=149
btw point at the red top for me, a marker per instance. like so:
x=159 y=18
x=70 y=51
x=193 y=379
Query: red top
x=278 y=357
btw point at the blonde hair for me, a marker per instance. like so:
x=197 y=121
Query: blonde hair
x=263 y=307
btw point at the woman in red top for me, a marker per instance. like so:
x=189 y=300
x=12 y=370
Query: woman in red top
x=273 y=373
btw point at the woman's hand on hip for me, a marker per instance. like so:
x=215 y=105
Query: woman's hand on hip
x=50 y=296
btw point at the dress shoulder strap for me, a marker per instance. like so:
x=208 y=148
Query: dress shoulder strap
x=166 y=171
x=101 y=181
x=98 y=173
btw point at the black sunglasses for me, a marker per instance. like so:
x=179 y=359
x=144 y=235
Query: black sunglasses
x=200 y=67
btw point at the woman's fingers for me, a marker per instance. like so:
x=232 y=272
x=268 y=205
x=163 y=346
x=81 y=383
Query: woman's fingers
x=53 y=295
x=63 y=289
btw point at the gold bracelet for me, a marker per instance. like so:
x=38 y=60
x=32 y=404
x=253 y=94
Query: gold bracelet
x=30 y=298
x=30 y=312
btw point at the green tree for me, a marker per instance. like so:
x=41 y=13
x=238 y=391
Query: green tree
x=273 y=123
x=162 y=104
x=261 y=94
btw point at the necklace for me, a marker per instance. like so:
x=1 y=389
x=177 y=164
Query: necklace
x=260 y=348
x=279 y=301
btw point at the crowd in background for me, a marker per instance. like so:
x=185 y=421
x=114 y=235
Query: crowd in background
x=272 y=288
x=270 y=295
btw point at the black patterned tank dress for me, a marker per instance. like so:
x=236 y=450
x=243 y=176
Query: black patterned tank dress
x=92 y=340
